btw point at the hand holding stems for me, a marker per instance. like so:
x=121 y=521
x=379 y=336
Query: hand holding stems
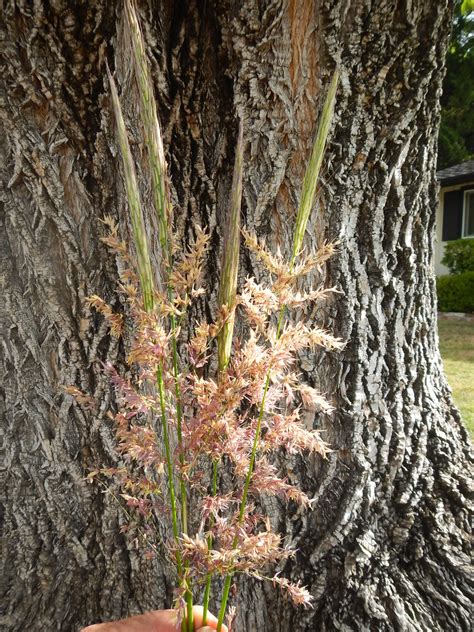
x=155 y=621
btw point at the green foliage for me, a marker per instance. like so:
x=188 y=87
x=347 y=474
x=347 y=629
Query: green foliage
x=467 y=7
x=456 y=292
x=456 y=137
x=459 y=256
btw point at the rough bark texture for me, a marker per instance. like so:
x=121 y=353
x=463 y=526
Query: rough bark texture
x=386 y=546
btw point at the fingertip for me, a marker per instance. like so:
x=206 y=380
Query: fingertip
x=211 y=622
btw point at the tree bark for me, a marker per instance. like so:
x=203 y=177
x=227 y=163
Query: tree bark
x=386 y=544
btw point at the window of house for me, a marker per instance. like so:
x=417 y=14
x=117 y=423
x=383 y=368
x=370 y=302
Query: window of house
x=468 y=215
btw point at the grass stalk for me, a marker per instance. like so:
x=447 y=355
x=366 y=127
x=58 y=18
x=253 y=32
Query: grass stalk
x=227 y=296
x=147 y=285
x=156 y=156
x=306 y=203
x=207 y=590
x=154 y=143
x=230 y=264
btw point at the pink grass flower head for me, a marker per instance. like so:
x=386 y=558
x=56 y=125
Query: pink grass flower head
x=188 y=436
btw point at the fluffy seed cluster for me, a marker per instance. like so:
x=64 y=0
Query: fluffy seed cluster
x=198 y=444
x=220 y=412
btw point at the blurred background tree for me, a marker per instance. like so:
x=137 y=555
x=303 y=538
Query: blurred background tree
x=456 y=134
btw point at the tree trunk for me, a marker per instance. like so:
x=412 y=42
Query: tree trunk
x=385 y=546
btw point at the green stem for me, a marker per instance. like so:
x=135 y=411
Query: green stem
x=169 y=466
x=188 y=625
x=243 y=502
x=179 y=425
x=207 y=590
x=182 y=484
x=189 y=611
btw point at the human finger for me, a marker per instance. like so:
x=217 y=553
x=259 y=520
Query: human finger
x=155 y=621
x=211 y=622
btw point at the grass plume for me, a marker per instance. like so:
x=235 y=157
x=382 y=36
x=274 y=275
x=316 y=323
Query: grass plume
x=151 y=129
x=249 y=410
x=306 y=203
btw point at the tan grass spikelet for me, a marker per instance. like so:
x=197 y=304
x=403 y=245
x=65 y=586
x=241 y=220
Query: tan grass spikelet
x=114 y=320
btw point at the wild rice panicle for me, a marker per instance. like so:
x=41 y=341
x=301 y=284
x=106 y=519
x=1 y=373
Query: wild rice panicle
x=265 y=480
x=298 y=336
x=298 y=594
x=313 y=400
x=131 y=400
x=113 y=241
x=273 y=263
x=150 y=346
x=286 y=431
x=198 y=348
x=186 y=273
x=313 y=260
x=293 y=298
x=129 y=281
x=140 y=443
x=253 y=551
x=259 y=302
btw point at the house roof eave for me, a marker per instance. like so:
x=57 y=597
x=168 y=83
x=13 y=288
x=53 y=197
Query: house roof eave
x=457 y=174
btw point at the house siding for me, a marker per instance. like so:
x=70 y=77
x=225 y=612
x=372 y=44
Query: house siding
x=440 y=222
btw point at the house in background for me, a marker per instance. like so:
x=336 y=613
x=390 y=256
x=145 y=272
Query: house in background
x=455 y=216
